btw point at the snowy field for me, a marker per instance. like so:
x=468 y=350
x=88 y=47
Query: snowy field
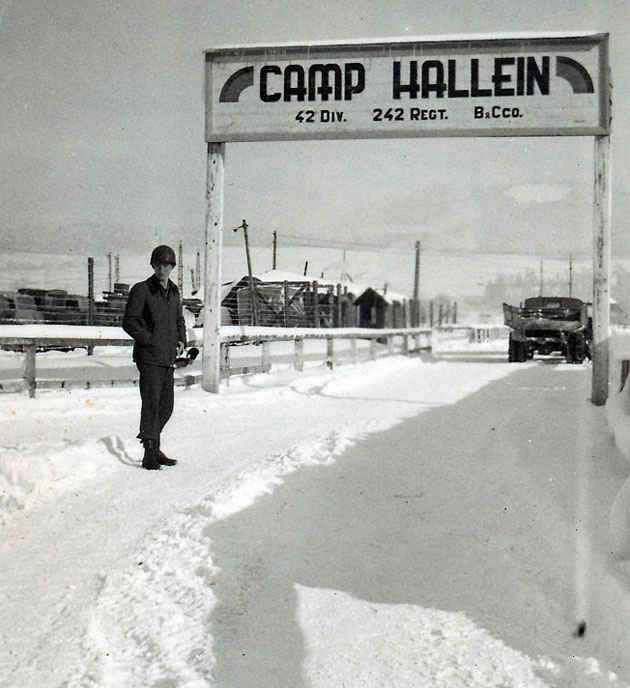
x=107 y=571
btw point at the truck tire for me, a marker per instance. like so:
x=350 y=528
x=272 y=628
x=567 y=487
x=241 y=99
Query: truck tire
x=579 y=348
x=522 y=351
x=511 y=350
x=569 y=350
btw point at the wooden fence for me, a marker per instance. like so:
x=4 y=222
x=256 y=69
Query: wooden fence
x=396 y=340
x=229 y=336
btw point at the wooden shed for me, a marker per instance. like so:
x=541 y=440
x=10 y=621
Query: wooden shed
x=379 y=310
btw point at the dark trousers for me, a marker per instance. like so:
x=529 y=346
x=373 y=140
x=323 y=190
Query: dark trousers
x=156 y=392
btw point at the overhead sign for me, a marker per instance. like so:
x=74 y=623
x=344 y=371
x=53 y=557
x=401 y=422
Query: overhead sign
x=511 y=86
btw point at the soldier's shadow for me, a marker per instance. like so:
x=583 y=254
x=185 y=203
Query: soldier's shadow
x=116 y=447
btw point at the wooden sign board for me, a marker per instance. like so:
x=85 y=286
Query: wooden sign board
x=537 y=85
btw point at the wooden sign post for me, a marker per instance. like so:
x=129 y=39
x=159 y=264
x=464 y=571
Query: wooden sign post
x=601 y=269
x=211 y=361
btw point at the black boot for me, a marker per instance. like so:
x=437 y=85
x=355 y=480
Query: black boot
x=162 y=458
x=150 y=459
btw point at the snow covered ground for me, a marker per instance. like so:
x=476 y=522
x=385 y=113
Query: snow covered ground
x=106 y=575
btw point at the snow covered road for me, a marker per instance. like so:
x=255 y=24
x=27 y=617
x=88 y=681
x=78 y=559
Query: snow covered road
x=427 y=539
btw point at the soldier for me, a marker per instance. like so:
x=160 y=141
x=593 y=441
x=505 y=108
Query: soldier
x=153 y=317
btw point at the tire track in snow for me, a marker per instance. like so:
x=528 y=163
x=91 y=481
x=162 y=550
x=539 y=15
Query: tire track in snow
x=148 y=627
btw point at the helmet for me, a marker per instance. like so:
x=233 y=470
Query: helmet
x=163 y=254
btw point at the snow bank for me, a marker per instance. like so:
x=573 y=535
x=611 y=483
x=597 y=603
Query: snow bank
x=443 y=649
x=150 y=620
x=618 y=414
x=44 y=452
x=33 y=472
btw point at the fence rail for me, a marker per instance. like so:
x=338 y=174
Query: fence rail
x=36 y=338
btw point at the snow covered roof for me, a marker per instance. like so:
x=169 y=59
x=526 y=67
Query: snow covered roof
x=388 y=296
x=282 y=276
x=286 y=276
x=354 y=288
x=274 y=276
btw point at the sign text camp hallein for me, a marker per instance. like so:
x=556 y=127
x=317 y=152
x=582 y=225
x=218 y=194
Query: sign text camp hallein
x=474 y=87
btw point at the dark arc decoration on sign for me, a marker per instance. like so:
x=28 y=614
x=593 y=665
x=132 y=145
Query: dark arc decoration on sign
x=236 y=84
x=575 y=74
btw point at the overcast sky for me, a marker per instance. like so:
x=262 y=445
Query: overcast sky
x=102 y=134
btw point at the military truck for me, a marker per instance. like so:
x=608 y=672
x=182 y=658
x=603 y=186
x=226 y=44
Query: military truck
x=547 y=325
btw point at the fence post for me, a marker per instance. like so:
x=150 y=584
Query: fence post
x=405 y=345
x=225 y=359
x=264 y=357
x=329 y=352
x=298 y=355
x=339 y=307
x=390 y=344
x=285 y=299
x=431 y=313
x=455 y=312
x=315 y=304
x=353 y=349
x=29 y=368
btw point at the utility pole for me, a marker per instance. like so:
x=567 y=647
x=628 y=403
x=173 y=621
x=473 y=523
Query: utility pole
x=275 y=250
x=252 y=291
x=90 y=291
x=180 y=270
x=416 y=287
x=117 y=273
x=91 y=306
x=541 y=277
x=109 y=274
x=197 y=284
x=570 y=274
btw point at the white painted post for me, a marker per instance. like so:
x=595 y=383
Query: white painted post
x=30 y=374
x=224 y=363
x=211 y=360
x=601 y=269
x=298 y=356
x=330 y=352
x=265 y=357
